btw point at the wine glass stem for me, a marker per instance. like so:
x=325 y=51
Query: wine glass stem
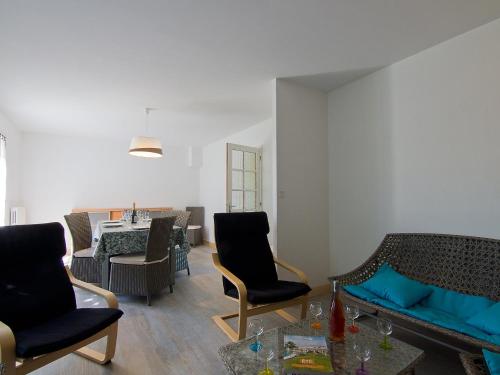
x=385 y=341
x=362 y=366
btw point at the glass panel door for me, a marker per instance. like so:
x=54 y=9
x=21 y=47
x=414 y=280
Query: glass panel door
x=243 y=178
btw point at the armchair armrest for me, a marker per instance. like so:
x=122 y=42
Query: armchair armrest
x=110 y=298
x=7 y=346
x=231 y=277
x=300 y=274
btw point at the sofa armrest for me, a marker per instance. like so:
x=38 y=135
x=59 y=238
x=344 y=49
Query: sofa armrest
x=359 y=274
x=110 y=298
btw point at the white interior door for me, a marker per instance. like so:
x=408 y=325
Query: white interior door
x=244 y=179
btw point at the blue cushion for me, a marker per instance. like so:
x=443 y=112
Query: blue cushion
x=492 y=361
x=487 y=320
x=428 y=314
x=360 y=292
x=393 y=286
x=459 y=304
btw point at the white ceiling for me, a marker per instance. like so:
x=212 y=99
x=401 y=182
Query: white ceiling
x=90 y=67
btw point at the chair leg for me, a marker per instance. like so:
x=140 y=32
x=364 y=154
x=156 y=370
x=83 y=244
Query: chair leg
x=242 y=320
x=171 y=288
x=148 y=299
x=303 y=308
x=107 y=356
x=189 y=272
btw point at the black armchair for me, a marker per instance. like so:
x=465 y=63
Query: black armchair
x=248 y=266
x=39 y=320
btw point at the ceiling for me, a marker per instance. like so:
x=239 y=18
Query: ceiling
x=90 y=67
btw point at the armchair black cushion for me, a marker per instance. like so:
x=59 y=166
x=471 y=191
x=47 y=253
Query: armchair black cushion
x=244 y=250
x=36 y=296
x=276 y=292
x=63 y=331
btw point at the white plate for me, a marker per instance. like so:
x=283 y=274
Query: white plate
x=140 y=227
x=111 y=221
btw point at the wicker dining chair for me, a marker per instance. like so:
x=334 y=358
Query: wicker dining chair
x=181 y=220
x=149 y=273
x=83 y=265
x=195 y=227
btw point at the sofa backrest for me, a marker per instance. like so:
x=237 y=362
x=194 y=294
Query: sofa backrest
x=465 y=264
x=34 y=285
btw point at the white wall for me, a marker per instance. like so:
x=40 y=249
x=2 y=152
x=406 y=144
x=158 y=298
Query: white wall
x=302 y=178
x=425 y=130
x=14 y=165
x=213 y=173
x=63 y=172
x=361 y=171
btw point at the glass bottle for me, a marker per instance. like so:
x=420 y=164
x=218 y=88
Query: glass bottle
x=337 y=319
x=134 y=214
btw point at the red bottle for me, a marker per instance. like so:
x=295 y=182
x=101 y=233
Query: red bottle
x=337 y=319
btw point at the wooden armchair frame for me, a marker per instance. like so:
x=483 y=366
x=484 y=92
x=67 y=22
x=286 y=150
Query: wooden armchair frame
x=246 y=309
x=20 y=366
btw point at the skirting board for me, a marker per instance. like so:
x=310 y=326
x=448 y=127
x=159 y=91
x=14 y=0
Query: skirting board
x=210 y=244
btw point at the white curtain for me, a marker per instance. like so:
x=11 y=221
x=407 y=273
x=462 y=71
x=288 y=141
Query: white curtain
x=3 y=178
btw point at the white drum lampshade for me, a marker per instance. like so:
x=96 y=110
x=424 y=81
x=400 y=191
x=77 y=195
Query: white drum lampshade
x=147 y=147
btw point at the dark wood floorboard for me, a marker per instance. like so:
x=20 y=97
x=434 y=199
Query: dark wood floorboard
x=176 y=335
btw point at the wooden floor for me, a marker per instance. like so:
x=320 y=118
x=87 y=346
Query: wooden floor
x=177 y=336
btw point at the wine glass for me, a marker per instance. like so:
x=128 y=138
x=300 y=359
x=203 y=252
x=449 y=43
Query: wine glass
x=256 y=326
x=316 y=310
x=352 y=313
x=363 y=354
x=385 y=327
x=268 y=355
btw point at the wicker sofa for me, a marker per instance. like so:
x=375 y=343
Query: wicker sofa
x=469 y=265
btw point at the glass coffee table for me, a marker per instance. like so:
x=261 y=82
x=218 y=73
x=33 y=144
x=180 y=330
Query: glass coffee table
x=401 y=359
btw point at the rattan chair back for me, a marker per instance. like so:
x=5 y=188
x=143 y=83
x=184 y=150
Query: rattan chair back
x=197 y=215
x=81 y=231
x=158 y=243
x=181 y=217
x=465 y=264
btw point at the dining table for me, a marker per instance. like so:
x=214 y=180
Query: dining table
x=116 y=237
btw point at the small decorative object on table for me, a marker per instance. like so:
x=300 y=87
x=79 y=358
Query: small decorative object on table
x=337 y=320
x=352 y=313
x=385 y=328
x=268 y=355
x=256 y=326
x=316 y=310
x=363 y=354
x=306 y=355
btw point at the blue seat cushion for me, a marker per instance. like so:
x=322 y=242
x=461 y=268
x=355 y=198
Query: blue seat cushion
x=391 y=285
x=487 y=320
x=492 y=361
x=63 y=331
x=459 y=304
x=423 y=312
x=274 y=292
